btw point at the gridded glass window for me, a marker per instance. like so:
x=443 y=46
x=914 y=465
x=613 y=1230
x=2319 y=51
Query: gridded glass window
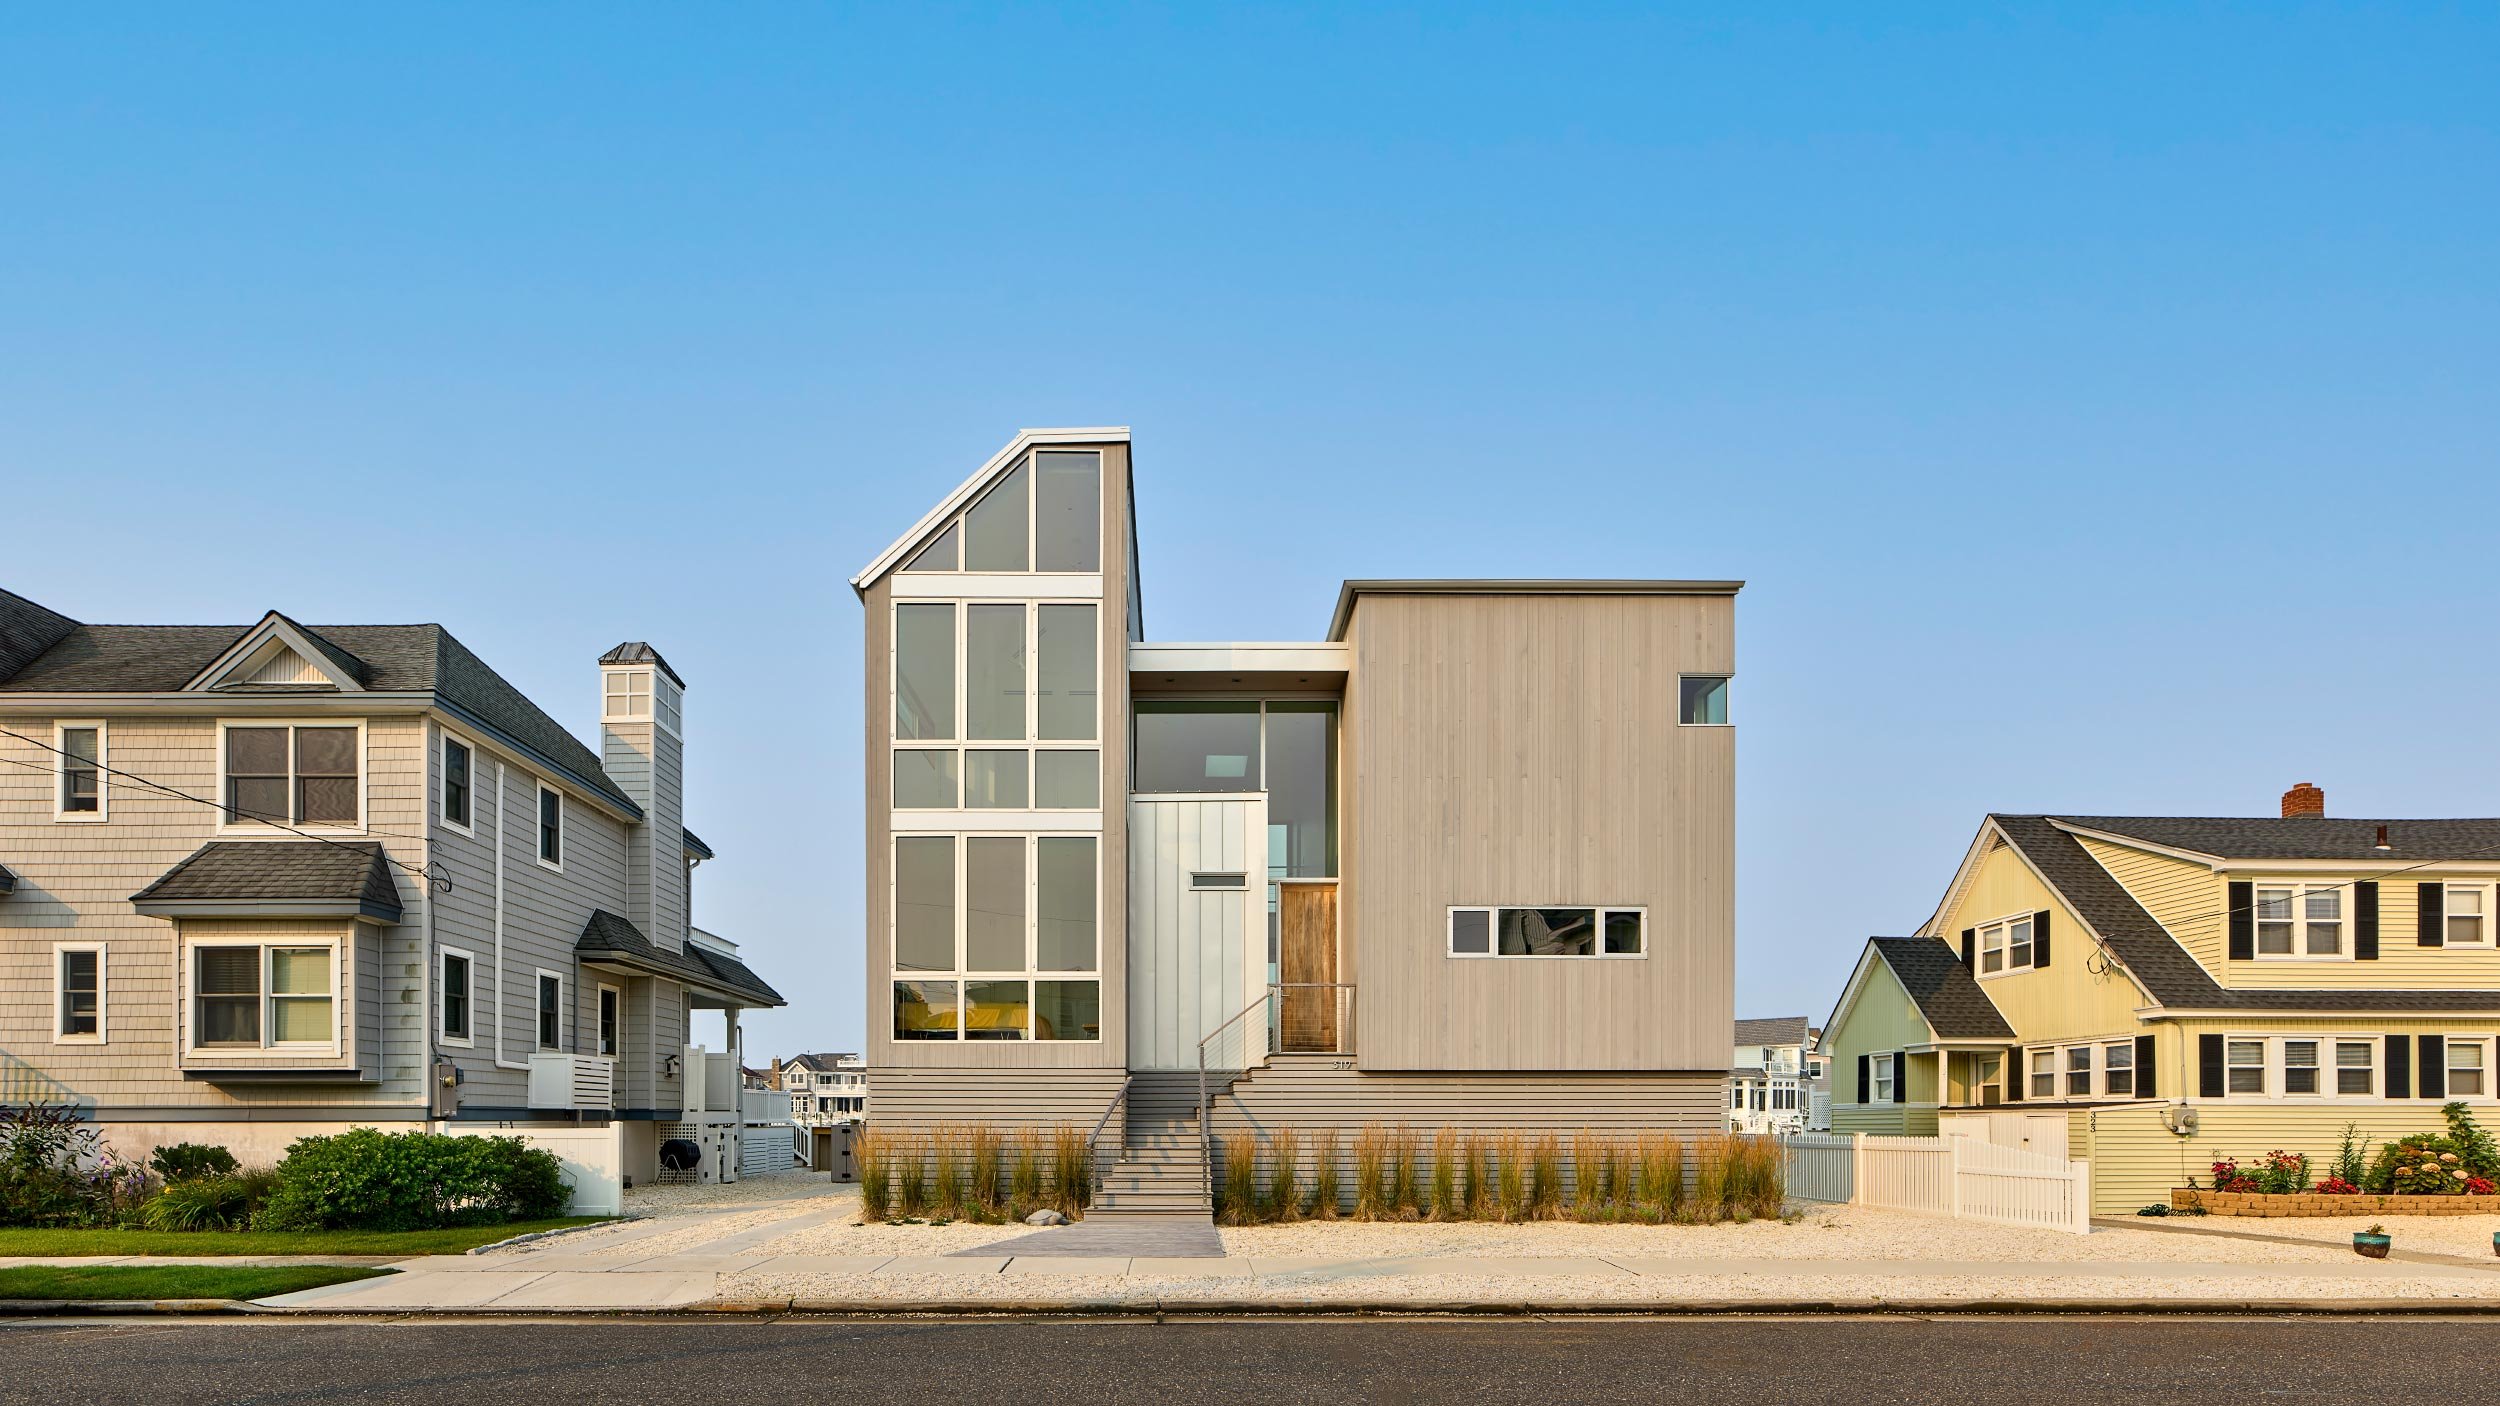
x=925 y=1010
x=2324 y=930
x=924 y=903
x=924 y=673
x=1545 y=932
x=2354 y=1067
x=997 y=1010
x=455 y=996
x=2300 y=1067
x=225 y=991
x=924 y=778
x=1879 y=1067
x=627 y=693
x=1064 y=934
x=550 y=1011
x=82 y=770
x=82 y=993
x=1067 y=691
x=1067 y=510
x=456 y=782
x=550 y=825
x=1065 y=780
x=2043 y=1073
x=2079 y=1071
x=2466 y=1063
x=995 y=780
x=994 y=904
x=2467 y=924
x=994 y=673
x=996 y=530
x=299 y=995
x=2005 y=946
x=256 y=774
x=325 y=775
x=610 y=1017
x=2118 y=1069
x=1703 y=701
x=2274 y=922
x=2244 y=1066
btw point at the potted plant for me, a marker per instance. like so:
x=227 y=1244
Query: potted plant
x=2373 y=1242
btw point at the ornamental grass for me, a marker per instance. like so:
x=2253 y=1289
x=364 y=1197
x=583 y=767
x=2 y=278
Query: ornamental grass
x=1510 y=1176
x=1371 y=1173
x=1405 y=1178
x=984 y=1150
x=1071 y=1171
x=1024 y=1174
x=1592 y=1185
x=1545 y=1177
x=1284 y=1158
x=911 y=1176
x=1237 y=1195
x=1661 y=1176
x=1324 y=1174
x=876 y=1174
x=1445 y=1196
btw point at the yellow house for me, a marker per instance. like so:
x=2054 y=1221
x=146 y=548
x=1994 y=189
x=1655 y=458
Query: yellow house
x=2152 y=994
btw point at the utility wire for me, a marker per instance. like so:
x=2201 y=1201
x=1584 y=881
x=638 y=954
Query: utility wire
x=143 y=786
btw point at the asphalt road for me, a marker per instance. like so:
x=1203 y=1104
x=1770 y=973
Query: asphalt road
x=1723 y=1362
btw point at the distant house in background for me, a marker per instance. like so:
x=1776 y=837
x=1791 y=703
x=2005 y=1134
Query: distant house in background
x=2154 y=993
x=1774 y=1079
x=824 y=1089
x=276 y=879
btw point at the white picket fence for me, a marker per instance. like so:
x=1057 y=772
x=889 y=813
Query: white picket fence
x=1953 y=1176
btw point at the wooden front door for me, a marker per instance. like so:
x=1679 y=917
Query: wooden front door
x=1306 y=956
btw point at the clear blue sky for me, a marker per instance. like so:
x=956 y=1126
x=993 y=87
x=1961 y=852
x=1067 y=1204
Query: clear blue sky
x=2100 y=400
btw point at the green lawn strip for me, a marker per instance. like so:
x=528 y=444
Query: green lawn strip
x=58 y=1243
x=173 y=1281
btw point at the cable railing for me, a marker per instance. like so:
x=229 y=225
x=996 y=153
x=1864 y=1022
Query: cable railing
x=1093 y=1140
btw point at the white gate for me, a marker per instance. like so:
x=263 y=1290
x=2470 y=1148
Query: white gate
x=2043 y=1133
x=1952 y=1176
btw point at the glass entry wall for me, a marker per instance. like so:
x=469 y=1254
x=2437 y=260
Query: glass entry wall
x=1286 y=747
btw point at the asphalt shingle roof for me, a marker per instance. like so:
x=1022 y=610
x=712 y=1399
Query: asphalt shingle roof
x=2178 y=980
x=388 y=658
x=1773 y=1030
x=348 y=871
x=609 y=937
x=2308 y=837
x=1946 y=993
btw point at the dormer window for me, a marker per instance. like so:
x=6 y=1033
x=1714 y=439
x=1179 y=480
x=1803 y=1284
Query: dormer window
x=1045 y=514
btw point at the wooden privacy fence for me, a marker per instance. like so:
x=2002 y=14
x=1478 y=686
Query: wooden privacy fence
x=1953 y=1176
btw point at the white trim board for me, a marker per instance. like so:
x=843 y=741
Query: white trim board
x=964 y=492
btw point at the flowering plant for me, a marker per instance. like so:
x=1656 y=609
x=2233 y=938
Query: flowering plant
x=2229 y=1177
x=2478 y=1186
x=2424 y=1167
x=2281 y=1173
x=2337 y=1186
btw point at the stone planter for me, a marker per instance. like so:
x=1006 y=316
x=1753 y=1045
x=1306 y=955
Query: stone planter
x=2311 y=1203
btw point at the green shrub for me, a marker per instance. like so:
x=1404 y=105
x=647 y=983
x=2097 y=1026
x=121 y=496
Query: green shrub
x=56 y=1171
x=2474 y=1147
x=210 y=1202
x=182 y=1161
x=365 y=1179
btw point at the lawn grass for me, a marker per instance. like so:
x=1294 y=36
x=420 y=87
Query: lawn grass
x=173 y=1281
x=53 y=1243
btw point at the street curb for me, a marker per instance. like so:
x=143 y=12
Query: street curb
x=1166 y=1309
x=106 y=1308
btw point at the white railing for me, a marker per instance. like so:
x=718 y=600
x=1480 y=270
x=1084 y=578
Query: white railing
x=1952 y=1176
x=763 y=1106
x=583 y=1083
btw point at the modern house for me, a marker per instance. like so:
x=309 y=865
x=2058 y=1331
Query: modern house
x=272 y=880
x=1466 y=857
x=1775 y=1079
x=2151 y=994
x=825 y=1089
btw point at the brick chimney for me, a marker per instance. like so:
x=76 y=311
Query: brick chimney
x=2304 y=801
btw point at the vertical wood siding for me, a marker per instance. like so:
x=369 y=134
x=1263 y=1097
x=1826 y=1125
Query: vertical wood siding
x=1190 y=952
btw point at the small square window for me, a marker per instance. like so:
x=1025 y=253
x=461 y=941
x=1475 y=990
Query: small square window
x=2465 y=916
x=1704 y=700
x=1471 y=932
x=1624 y=933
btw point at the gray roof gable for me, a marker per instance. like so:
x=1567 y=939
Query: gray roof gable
x=387 y=658
x=2305 y=837
x=1943 y=989
x=1772 y=1030
x=27 y=630
x=242 y=871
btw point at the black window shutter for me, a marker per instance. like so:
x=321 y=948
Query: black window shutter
x=2040 y=938
x=2209 y=1060
x=2144 y=1067
x=1866 y=1078
x=2426 y=927
x=2399 y=1067
x=1901 y=1076
x=2016 y=1074
x=1970 y=950
x=2365 y=921
x=2243 y=921
x=2433 y=1072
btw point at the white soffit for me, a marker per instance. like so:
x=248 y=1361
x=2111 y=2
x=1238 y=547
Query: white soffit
x=1240 y=657
x=964 y=493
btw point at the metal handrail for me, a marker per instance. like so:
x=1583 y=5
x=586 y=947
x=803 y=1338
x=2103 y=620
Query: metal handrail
x=1093 y=1140
x=1275 y=989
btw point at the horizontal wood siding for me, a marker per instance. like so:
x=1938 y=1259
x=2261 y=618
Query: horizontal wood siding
x=1525 y=749
x=919 y=1098
x=2136 y=1161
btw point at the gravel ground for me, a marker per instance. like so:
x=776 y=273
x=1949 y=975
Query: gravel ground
x=2438 y=1235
